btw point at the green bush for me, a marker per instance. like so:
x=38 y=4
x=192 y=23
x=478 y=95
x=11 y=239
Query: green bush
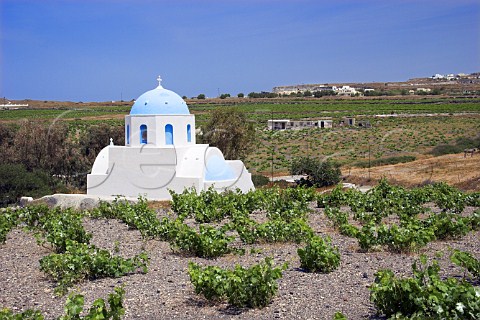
x=385 y=161
x=252 y=287
x=58 y=226
x=8 y=221
x=209 y=242
x=16 y=181
x=319 y=255
x=467 y=261
x=74 y=307
x=425 y=296
x=297 y=230
x=320 y=173
x=339 y=316
x=458 y=146
x=259 y=180
x=81 y=261
x=136 y=216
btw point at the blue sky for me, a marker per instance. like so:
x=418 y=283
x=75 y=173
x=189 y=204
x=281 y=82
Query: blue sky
x=102 y=50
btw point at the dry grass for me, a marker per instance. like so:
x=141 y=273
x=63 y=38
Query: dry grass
x=453 y=169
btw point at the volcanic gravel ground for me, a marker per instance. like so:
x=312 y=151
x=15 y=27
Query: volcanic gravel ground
x=165 y=292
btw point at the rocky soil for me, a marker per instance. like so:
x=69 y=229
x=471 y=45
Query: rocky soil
x=165 y=292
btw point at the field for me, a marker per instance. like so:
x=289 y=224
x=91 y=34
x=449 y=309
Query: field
x=38 y=261
x=389 y=228
x=400 y=127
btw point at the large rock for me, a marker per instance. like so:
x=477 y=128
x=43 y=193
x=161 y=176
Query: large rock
x=76 y=201
x=24 y=201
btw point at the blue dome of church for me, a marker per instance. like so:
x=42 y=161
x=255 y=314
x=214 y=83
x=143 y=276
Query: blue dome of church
x=159 y=101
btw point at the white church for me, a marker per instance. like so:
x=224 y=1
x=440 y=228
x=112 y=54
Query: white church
x=160 y=154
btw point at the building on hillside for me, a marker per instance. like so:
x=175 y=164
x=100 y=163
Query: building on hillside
x=325 y=123
x=12 y=106
x=347 y=91
x=364 y=124
x=296 y=89
x=279 y=124
x=424 y=89
x=161 y=154
x=285 y=124
x=347 y=121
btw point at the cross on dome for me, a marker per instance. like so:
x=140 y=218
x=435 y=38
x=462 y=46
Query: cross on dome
x=159 y=79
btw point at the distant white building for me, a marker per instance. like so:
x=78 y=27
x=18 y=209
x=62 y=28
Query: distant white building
x=347 y=121
x=346 y=91
x=448 y=77
x=161 y=154
x=325 y=123
x=285 y=124
x=10 y=105
x=424 y=89
x=280 y=124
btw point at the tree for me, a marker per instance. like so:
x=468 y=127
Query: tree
x=307 y=93
x=201 y=96
x=16 y=181
x=224 y=95
x=97 y=137
x=320 y=173
x=229 y=130
x=322 y=93
x=262 y=94
x=240 y=95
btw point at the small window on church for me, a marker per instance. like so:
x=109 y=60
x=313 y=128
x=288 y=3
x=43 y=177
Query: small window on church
x=143 y=134
x=128 y=134
x=168 y=134
x=189 y=133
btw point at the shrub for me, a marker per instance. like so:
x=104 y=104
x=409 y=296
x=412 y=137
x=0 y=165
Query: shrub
x=320 y=173
x=209 y=242
x=425 y=296
x=467 y=261
x=8 y=221
x=445 y=149
x=74 y=307
x=457 y=147
x=252 y=287
x=59 y=226
x=385 y=161
x=136 y=216
x=319 y=255
x=16 y=181
x=259 y=180
x=280 y=230
x=81 y=261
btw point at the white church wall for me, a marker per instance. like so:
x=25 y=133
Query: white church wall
x=165 y=162
x=191 y=160
x=101 y=162
x=133 y=171
x=179 y=124
x=135 y=136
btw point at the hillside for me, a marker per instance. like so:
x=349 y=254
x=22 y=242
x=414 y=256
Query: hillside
x=453 y=169
x=459 y=85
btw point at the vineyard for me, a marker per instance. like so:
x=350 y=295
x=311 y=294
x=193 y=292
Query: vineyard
x=271 y=253
x=401 y=129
